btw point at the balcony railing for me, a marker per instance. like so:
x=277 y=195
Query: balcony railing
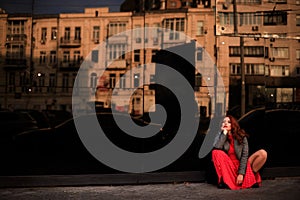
x=69 y=66
x=118 y=39
x=14 y=61
x=70 y=42
x=11 y=38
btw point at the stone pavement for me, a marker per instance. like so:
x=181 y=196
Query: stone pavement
x=282 y=188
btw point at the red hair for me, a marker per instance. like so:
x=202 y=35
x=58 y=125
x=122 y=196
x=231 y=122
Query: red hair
x=237 y=132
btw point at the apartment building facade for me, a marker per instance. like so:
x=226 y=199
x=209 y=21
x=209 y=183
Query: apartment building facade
x=53 y=47
x=41 y=55
x=270 y=31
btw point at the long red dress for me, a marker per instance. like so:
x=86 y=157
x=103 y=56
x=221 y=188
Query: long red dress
x=227 y=165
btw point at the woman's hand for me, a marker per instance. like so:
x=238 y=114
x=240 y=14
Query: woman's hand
x=224 y=131
x=239 y=179
x=226 y=125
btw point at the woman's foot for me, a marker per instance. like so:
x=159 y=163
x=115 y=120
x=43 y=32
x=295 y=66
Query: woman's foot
x=222 y=185
x=255 y=185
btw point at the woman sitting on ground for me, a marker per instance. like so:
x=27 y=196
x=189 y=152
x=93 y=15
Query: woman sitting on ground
x=234 y=168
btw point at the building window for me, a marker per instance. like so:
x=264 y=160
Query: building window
x=297 y=20
x=112 y=80
x=249 y=19
x=255 y=69
x=96 y=34
x=42 y=57
x=298 y=71
x=122 y=81
x=153 y=53
x=23 y=81
x=95 y=56
x=275 y=18
x=146 y=34
x=66 y=56
x=52 y=57
x=155 y=33
x=65 y=83
x=249 y=51
x=76 y=57
x=152 y=78
x=279 y=70
x=137 y=55
x=199 y=53
x=15 y=53
x=77 y=33
x=52 y=83
x=172 y=25
x=235 y=69
x=75 y=83
x=40 y=82
x=15 y=27
x=11 y=82
x=280 y=52
x=226 y=18
x=267 y=70
x=250 y=69
x=67 y=33
x=284 y=95
x=44 y=35
x=116 y=51
x=115 y=28
x=136 y=80
x=198 y=80
x=53 y=33
x=200 y=27
x=298 y=54
x=93 y=81
x=137 y=33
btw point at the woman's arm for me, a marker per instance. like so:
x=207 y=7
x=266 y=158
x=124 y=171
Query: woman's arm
x=244 y=157
x=220 y=140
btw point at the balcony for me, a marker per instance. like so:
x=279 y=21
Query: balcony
x=70 y=42
x=250 y=2
x=16 y=38
x=15 y=64
x=69 y=66
x=116 y=65
x=118 y=39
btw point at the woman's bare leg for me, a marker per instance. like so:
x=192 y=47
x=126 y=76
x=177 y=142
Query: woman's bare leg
x=258 y=159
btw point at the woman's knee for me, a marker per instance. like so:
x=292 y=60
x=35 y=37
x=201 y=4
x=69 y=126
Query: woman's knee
x=263 y=154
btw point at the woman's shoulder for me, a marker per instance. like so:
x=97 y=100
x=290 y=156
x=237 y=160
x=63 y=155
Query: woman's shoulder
x=245 y=139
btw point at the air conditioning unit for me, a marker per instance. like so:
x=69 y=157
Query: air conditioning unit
x=256 y=39
x=254 y=28
x=272 y=39
x=225 y=6
x=272 y=59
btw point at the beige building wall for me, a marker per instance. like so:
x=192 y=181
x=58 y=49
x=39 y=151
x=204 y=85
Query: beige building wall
x=198 y=25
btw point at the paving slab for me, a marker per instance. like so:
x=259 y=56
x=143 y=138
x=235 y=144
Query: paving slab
x=282 y=188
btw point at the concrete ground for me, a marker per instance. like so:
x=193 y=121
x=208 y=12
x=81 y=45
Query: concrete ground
x=281 y=188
